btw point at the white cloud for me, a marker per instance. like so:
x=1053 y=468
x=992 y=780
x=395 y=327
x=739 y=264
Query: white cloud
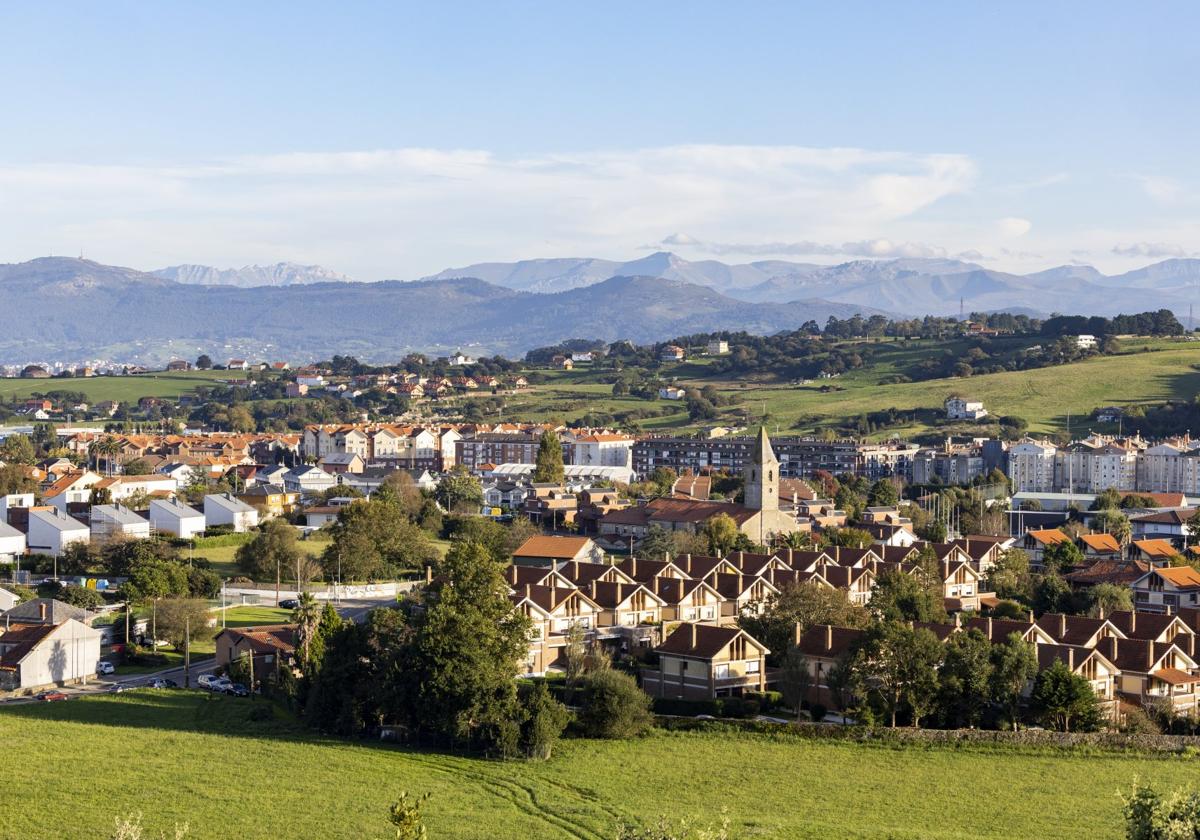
x=1150 y=250
x=1014 y=226
x=404 y=212
x=1165 y=190
x=878 y=248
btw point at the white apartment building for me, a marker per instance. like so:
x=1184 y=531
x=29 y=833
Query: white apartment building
x=114 y=521
x=1091 y=468
x=170 y=516
x=224 y=509
x=1169 y=468
x=603 y=450
x=1031 y=466
x=51 y=531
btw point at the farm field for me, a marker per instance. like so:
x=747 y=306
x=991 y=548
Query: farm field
x=224 y=557
x=119 y=388
x=1044 y=397
x=178 y=752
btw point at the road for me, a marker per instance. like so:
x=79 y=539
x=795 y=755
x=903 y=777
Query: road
x=357 y=611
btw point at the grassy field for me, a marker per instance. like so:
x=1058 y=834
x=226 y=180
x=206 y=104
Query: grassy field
x=1045 y=397
x=254 y=616
x=223 y=557
x=120 y=388
x=189 y=757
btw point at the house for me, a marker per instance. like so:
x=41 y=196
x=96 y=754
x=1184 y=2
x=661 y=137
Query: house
x=293 y=390
x=553 y=611
x=271 y=646
x=238 y=364
x=51 y=531
x=170 y=516
x=46 y=611
x=562 y=363
x=958 y=408
x=342 y=462
x=629 y=609
x=1100 y=547
x=687 y=600
x=1164 y=524
x=670 y=392
x=1085 y=342
x=1153 y=673
x=12 y=543
x=671 y=353
x=1157 y=627
x=1167 y=588
x=270 y=500
x=34 y=656
x=117 y=522
x=308 y=480
x=702 y=662
x=716 y=347
x=178 y=364
x=1036 y=543
x=225 y=510
x=1081 y=630
x=1155 y=552
x=825 y=647
x=1087 y=662
x=554 y=551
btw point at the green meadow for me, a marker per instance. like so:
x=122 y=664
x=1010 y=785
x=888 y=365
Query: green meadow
x=188 y=757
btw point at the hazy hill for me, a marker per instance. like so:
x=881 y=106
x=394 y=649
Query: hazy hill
x=279 y=274
x=68 y=308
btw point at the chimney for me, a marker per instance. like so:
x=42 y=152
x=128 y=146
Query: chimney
x=633 y=565
x=1112 y=648
x=1149 y=654
x=693 y=635
x=42 y=611
x=797 y=633
x=528 y=590
x=828 y=637
x=989 y=627
x=1192 y=645
x=1071 y=658
x=1031 y=616
x=1101 y=613
x=1062 y=625
x=620 y=598
x=739 y=582
x=575 y=569
x=957 y=620
x=687 y=559
x=593 y=589
x=1132 y=620
x=553 y=597
x=429 y=574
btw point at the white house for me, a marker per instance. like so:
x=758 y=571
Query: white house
x=671 y=393
x=1085 y=342
x=182 y=473
x=170 y=516
x=224 y=509
x=604 y=450
x=39 y=655
x=7 y=600
x=109 y=521
x=51 y=531
x=124 y=486
x=272 y=474
x=308 y=480
x=14 y=501
x=958 y=408
x=12 y=543
x=717 y=347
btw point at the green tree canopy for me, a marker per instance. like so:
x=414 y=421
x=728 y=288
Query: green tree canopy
x=1062 y=699
x=549 y=463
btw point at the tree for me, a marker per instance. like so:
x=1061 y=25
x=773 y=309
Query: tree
x=721 y=532
x=177 y=617
x=1150 y=816
x=796 y=679
x=1108 y=598
x=204 y=362
x=1014 y=664
x=80 y=596
x=1009 y=577
x=465 y=649
x=1061 y=698
x=545 y=720
x=15 y=479
x=848 y=537
x=656 y=543
x=1112 y=521
x=17 y=449
x=899 y=666
x=1051 y=594
x=373 y=539
x=461 y=490
x=805 y=605
x=883 y=494
x=306 y=616
x=272 y=550
x=1109 y=499
x=904 y=596
x=965 y=678
x=1060 y=556
x=549 y=461
x=1193 y=525
x=612 y=706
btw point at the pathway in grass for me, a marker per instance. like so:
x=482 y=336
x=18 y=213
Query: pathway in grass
x=202 y=759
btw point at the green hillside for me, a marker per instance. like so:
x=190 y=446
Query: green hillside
x=119 y=388
x=187 y=757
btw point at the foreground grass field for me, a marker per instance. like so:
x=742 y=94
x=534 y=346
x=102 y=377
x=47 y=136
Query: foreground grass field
x=191 y=757
x=120 y=388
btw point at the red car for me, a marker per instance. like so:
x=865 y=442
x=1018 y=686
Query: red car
x=51 y=696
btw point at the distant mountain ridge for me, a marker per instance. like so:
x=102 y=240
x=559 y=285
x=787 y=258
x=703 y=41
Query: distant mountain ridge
x=279 y=274
x=913 y=287
x=75 y=309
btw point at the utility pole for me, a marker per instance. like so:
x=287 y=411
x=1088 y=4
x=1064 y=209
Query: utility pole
x=128 y=618
x=187 y=651
x=277 y=562
x=252 y=675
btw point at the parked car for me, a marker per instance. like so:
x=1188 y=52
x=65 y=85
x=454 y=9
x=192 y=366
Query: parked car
x=222 y=684
x=160 y=682
x=289 y=604
x=105 y=668
x=50 y=696
x=238 y=690
x=207 y=680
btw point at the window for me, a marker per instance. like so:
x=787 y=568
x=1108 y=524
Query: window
x=752 y=666
x=721 y=671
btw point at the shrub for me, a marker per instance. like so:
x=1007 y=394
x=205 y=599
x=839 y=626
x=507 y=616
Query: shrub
x=817 y=712
x=612 y=706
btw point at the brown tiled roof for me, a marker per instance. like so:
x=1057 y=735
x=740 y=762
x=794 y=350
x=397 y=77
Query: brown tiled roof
x=552 y=547
x=1119 y=572
x=688 y=510
x=998 y=628
x=1071 y=629
x=1142 y=625
x=612 y=595
x=702 y=641
x=582 y=574
x=19 y=641
x=269 y=638
x=826 y=642
x=674 y=590
x=1166 y=517
x=1101 y=543
x=641 y=569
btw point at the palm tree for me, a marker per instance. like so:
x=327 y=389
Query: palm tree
x=107 y=446
x=306 y=615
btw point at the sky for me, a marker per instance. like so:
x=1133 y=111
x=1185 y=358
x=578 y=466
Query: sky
x=394 y=140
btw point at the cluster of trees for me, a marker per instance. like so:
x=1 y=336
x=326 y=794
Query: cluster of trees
x=442 y=670
x=1160 y=322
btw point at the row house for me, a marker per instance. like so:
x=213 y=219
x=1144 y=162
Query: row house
x=700 y=661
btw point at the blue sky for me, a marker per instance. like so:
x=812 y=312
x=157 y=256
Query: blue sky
x=388 y=140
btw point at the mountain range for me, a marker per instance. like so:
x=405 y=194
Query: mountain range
x=71 y=309
x=63 y=308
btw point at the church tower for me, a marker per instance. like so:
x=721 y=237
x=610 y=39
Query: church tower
x=762 y=475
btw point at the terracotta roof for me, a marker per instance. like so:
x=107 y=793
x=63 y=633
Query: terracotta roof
x=552 y=547
x=827 y=642
x=1183 y=577
x=688 y=510
x=1156 y=548
x=1119 y=572
x=1166 y=517
x=1101 y=542
x=1050 y=536
x=1142 y=625
x=1071 y=629
x=270 y=638
x=22 y=639
x=1174 y=676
